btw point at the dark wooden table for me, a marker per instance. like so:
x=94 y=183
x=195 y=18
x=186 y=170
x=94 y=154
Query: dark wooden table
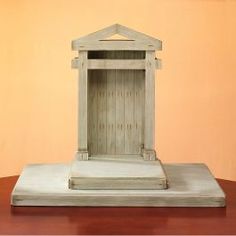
x=101 y=220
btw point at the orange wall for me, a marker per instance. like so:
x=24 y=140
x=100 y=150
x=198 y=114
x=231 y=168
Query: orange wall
x=195 y=102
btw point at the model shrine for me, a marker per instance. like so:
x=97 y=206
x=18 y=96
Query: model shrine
x=116 y=163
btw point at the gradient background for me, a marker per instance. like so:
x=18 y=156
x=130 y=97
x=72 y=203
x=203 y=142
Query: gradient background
x=195 y=90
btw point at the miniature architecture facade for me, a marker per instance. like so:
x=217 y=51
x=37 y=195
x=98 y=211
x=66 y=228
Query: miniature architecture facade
x=116 y=111
x=116 y=93
x=116 y=147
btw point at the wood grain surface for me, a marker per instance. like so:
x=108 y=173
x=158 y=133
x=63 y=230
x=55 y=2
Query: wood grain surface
x=116 y=106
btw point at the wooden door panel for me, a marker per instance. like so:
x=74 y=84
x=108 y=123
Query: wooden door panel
x=102 y=111
x=92 y=112
x=138 y=111
x=120 y=112
x=111 y=112
x=116 y=108
x=116 y=112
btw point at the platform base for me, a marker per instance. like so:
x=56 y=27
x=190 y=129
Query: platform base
x=118 y=172
x=190 y=185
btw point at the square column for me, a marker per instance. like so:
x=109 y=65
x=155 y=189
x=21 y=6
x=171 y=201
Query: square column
x=149 y=125
x=82 y=153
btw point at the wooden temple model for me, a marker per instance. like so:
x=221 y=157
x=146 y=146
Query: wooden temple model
x=116 y=119
x=116 y=163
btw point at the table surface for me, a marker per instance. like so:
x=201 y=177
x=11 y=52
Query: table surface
x=114 y=220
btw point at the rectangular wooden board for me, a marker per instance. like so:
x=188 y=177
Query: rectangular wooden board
x=117 y=172
x=190 y=185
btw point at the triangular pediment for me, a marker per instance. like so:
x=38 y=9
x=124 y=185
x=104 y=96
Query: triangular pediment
x=117 y=33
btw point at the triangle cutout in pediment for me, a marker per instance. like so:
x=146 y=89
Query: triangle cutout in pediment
x=117 y=37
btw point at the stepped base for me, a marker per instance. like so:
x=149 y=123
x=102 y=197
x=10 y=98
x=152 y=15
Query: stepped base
x=190 y=185
x=123 y=172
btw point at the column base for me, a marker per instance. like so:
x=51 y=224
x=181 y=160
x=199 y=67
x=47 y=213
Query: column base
x=149 y=155
x=81 y=155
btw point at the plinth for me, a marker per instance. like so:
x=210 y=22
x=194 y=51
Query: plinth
x=117 y=173
x=190 y=185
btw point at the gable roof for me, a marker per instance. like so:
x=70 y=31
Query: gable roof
x=99 y=40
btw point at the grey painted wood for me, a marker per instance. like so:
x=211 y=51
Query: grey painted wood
x=137 y=40
x=158 y=63
x=117 y=172
x=190 y=185
x=139 y=101
x=114 y=45
x=102 y=111
x=133 y=34
x=115 y=64
x=117 y=107
x=111 y=112
x=129 y=112
x=83 y=100
x=92 y=112
x=116 y=128
x=100 y=34
x=149 y=131
x=120 y=111
x=108 y=131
